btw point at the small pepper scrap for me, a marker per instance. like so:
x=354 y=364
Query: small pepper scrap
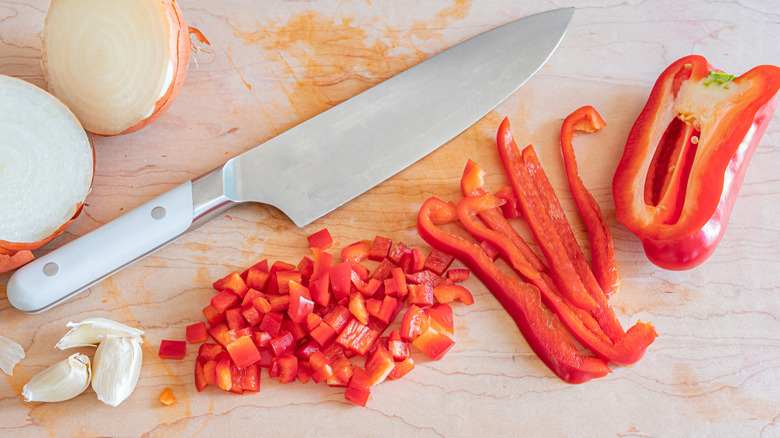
x=550 y=305
x=686 y=157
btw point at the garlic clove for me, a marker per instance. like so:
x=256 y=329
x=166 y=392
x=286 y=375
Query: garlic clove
x=61 y=381
x=91 y=331
x=116 y=368
x=10 y=355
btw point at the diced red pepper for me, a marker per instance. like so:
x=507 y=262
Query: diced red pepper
x=210 y=372
x=387 y=310
x=262 y=305
x=172 y=349
x=224 y=379
x=280 y=266
x=357 y=337
x=380 y=248
x=283 y=279
x=301 y=304
x=412 y=323
x=252 y=316
x=251 y=294
x=306 y=268
x=434 y=344
x=397 y=347
x=358 y=389
x=367 y=289
x=398 y=252
x=356 y=252
x=218 y=331
x=321 y=239
x=447 y=293
x=421 y=295
x=297 y=329
x=234 y=318
x=196 y=333
x=209 y=351
x=273 y=369
x=338 y=317
x=200 y=376
x=304 y=371
x=213 y=316
x=402 y=368
x=383 y=270
x=224 y=300
x=279 y=303
x=272 y=323
x=288 y=368
x=438 y=261
x=458 y=275
x=379 y=365
x=305 y=350
x=426 y=276
x=251 y=381
x=340 y=279
x=232 y=282
x=441 y=317
x=243 y=351
x=357 y=306
x=324 y=334
x=319 y=285
x=320 y=366
x=283 y=344
x=262 y=339
x=257 y=277
x=312 y=321
x=342 y=369
x=266 y=358
x=510 y=208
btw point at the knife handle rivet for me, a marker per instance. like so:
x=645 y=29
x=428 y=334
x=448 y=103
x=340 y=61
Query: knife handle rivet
x=158 y=213
x=50 y=269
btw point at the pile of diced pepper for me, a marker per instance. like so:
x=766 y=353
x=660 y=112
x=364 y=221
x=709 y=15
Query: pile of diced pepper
x=322 y=319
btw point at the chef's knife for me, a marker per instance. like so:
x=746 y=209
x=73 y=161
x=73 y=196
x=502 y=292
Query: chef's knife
x=320 y=164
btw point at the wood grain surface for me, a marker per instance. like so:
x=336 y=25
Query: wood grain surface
x=713 y=371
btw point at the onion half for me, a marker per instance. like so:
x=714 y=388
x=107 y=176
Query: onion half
x=46 y=169
x=117 y=64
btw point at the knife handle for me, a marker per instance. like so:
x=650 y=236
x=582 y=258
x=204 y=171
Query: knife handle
x=74 y=267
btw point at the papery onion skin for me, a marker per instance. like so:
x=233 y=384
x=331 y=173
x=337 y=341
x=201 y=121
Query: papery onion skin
x=58 y=72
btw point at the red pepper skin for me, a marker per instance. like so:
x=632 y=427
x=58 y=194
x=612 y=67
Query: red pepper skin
x=686 y=204
x=545 y=335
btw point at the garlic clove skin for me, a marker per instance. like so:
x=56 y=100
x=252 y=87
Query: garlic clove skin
x=91 y=331
x=61 y=381
x=116 y=368
x=10 y=355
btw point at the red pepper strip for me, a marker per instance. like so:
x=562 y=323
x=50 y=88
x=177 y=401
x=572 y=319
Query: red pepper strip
x=561 y=224
x=544 y=332
x=569 y=283
x=603 y=313
x=472 y=184
x=602 y=249
x=468 y=208
x=599 y=329
x=674 y=187
x=571 y=316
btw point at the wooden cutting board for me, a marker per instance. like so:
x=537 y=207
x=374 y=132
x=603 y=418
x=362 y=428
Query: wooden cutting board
x=713 y=371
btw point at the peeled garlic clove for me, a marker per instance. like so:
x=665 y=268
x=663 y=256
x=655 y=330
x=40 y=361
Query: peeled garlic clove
x=61 y=381
x=91 y=331
x=115 y=369
x=10 y=355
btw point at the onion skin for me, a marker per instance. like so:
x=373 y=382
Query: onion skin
x=180 y=45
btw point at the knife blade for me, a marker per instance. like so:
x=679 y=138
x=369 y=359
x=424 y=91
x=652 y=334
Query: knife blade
x=320 y=164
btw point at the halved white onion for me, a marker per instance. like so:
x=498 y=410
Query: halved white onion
x=116 y=64
x=46 y=168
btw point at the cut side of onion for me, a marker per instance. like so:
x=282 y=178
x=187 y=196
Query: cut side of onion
x=117 y=64
x=46 y=169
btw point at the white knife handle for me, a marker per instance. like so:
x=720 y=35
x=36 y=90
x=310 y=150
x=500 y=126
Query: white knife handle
x=74 y=267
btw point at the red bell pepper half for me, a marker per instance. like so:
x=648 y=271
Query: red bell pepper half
x=686 y=157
